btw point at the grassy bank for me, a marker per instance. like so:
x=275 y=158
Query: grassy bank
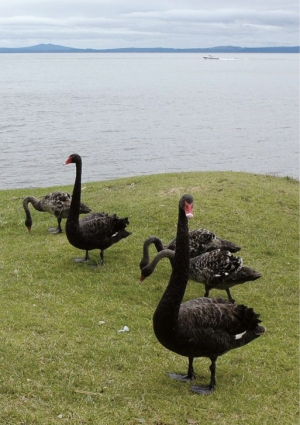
x=61 y=355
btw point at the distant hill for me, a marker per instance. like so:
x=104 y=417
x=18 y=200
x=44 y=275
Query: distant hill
x=53 y=48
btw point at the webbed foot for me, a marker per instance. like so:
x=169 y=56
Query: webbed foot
x=202 y=390
x=182 y=378
x=54 y=230
x=95 y=266
x=80 y=260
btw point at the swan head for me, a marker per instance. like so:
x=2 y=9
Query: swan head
x=187 y=204
x=28 y=228
x=145 y=272
x=74 y=158
x=28 y=224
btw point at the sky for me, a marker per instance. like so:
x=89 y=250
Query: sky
x=106 y=24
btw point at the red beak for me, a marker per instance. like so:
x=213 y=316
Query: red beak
x=189 y=210
x=67 y=161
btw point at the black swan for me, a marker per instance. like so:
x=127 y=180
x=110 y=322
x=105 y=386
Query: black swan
x=215 y=269
x=200 y=241
x=203 y=327
x=56 y=203
x=96 y=230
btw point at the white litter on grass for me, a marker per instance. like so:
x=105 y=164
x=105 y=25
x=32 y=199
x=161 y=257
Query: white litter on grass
x=101 y=322
x=124 y=329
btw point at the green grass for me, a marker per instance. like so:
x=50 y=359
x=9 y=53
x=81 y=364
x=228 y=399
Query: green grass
x=61 y=365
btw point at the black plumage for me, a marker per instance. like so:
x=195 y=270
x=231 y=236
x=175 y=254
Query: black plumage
x=203 y=327
x=56 y=203
x=96 y=230
x=216 y=269
x=200 y=241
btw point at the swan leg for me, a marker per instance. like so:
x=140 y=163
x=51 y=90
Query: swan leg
x=190 y=376
x=83 y=260
x=229 y=296
x=101 y=257
x=206 y=291
x=207 y=390
x=59 y=224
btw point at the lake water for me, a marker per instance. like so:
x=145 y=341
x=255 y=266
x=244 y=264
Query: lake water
x=137 y=114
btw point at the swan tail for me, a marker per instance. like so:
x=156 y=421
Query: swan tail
x=224 y=244
x=251 y=324
x=248 y=336
x=246 y=274
x=120 y=223
x=122 y=234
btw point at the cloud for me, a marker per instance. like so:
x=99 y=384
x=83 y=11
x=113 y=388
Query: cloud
x=113 y=23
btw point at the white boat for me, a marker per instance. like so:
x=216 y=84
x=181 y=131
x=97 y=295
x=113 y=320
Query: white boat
x=210 y=57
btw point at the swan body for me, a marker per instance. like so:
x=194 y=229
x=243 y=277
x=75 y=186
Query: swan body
x=96 y=230
x=202 y=327
x=56 y=203
x=214 y=269
x=200 y=241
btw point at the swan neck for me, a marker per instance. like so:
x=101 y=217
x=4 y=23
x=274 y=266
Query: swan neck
x=76 y=195
x=168 y=308
x=165 y=253
x=34 y=202
x=151 y=240
x=180 y=272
